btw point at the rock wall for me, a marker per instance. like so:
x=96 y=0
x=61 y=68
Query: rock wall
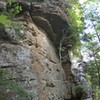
x=33 y=60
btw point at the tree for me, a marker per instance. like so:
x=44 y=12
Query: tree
x=90 y=39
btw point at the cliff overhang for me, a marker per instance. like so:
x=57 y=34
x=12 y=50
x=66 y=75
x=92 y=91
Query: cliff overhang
x=50 y=16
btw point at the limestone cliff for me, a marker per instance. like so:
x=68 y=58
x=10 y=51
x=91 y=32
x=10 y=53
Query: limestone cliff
x=33 y=60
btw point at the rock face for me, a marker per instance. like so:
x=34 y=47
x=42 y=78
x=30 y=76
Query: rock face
x=33 y=60
x=2 y=5
x=35 y=65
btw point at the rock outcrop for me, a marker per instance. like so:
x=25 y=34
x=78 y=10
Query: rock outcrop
x=33 y=60
x=35 y=65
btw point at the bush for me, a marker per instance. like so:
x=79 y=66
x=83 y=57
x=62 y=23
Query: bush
x=79 y=89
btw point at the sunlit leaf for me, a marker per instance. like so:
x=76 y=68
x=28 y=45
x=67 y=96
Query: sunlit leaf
x=4 y=20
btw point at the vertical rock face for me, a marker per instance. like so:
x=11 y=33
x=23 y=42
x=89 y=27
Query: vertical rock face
x=34 y=61
x=34 y=64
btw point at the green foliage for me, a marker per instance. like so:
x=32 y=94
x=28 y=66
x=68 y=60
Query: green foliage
x=16 y=9
x=5 y=21
x=91 y=44
x=79 y=89
x=76 y=24
x=7 y=17
x=13 y=8
x=88 y=1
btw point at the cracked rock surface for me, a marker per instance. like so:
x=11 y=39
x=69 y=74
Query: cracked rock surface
x=33 y=61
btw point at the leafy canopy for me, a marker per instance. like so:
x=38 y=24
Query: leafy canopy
x=90 y=39
x=76 y=24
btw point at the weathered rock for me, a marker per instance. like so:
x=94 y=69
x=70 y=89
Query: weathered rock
x=16 y=60
x=35 y=63
x=2 y=5
x=36 y=66
x=55 y=19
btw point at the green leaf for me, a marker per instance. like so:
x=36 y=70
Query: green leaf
x=5 y=21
